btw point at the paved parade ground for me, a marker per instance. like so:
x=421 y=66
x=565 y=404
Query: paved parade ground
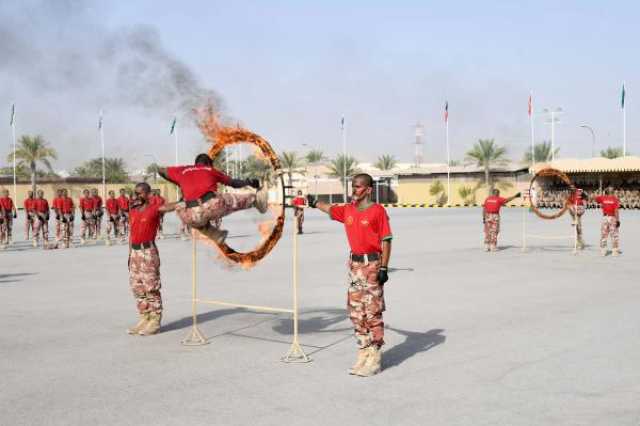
x=473 y=338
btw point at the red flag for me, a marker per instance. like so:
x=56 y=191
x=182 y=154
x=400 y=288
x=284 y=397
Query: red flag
x=530 y=105
x=446 y=111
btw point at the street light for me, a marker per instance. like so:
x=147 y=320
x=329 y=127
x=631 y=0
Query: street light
x=553 y=112
x=593 y=139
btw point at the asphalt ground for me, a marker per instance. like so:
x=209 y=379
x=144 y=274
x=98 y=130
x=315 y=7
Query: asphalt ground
x=542 y=337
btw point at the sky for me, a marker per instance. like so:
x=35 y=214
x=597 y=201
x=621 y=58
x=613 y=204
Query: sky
x=289 y=70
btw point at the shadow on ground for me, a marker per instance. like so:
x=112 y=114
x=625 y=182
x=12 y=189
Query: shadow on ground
x=415 y=342
x=11 y=278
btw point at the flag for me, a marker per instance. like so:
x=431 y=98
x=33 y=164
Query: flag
x=622 y=97
x=342 y=124
x=446 y=111
x=100 y=121
x=173 y=126
x=530 y=105
x=13 y=115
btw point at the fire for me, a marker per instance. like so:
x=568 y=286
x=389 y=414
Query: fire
x=271 y=229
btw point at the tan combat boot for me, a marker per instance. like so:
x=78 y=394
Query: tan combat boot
x=152 y=326
x=262 y=199
x=615 y=252
x=363 y=354
x=604 y=251
x=215 y=234
x=140 y=325
x=373 y=364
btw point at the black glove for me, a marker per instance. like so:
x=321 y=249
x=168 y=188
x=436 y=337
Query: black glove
x=311 y=201
x=518 y=195
x=254 y=183
x=617 y=224
x=15 y=215
x=383 y=277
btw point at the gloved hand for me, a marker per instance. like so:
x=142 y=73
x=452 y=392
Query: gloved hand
x=518 y=195
x=15 y=215
x=129 y=262
x=618 y=224
x=383 y=276
x=57 y=217
x=254 y=183
x=311 y=201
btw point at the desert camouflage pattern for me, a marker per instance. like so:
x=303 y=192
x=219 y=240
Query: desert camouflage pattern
x=113 y=225
x=29 y=224
x=576 y=212
x=87 y=225
x=41 y=225
x=214 y=209
x=66 y=227
x=299 y=214
x=6 y=222
x=491 y=229
x=144 y=279
x=608 y=229
x=365 y=303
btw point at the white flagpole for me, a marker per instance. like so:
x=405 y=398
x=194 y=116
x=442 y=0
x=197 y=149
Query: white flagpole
x=533 y=149
x=175 y=137
x=344 y=160
x=13 y=136
x=448 y=162
x=624 y=123
x=104 y=170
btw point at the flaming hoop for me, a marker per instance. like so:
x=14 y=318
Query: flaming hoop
x=220 y=137
x=549 y=172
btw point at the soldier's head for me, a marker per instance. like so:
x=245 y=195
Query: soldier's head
x=608 y=190
x=203 y=160
x=30 y=194
x=141 y=193
x=85 y=192
x=495 y=192
x=300 y=193
x=112 y=194
x=5 y=192
x=65 y=193
x=361 y=187
x=94 y=192
x=40 y=193
x=59 y=192
x=122 y=191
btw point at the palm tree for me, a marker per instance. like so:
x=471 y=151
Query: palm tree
x=291 y=163
x=437 y=190
x=542 y=153
x=611 y=153
x=115 y=170
x=385 y=162
x=465 y=193
x=32 y=150
x=342 y=166
x=315 y=156
x=151 y=170
x=485 y=153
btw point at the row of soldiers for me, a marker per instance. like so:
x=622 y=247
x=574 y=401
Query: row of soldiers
x=629 y=198
x=91 y=208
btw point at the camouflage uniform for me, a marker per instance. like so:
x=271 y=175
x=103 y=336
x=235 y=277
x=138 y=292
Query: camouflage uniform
x=87 y=225
x=365 y=303
x=144 y=279
x=214 y=209
x=609 y=228
x=41 y=223
x=299 y=214
x=491 y=229
x=576 y=212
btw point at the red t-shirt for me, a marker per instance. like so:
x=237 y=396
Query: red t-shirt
x=97 y=202
x=55 y=204
x=299 y=201
x=195 y=181
x=493 y=203
x=157 y=199
x=112 y=205
x=123 y=202
x=87 y=203
x=576 y=199
x=29 y=204
x=609 y=203
x=144 y=223
x=365 y=229
x=41 y=205
x=66 y=205
x=6 y=203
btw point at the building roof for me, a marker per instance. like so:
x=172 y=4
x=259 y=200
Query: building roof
x=429 y=169
x=593 y=165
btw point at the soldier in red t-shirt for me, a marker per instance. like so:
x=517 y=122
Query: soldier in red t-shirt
x=113 y=216
x=202 y=204
x=576 y=203
x=41 y=222
x=298 y=203
x=9 y=213
x=55 y=205
x=144 y=260
x=369 y=235
x=30 y=214
x=97 y=212
x=610 y=226
x=67 y=209
x=156 y=198
x=87 y=226
x=491 y=218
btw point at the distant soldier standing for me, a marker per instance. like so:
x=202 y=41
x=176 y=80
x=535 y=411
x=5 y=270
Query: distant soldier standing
x=298 y=204
x=576 y=203
x=123 y=207
x=610 y=226
x=87 y=226
x=144 y=260
x=55 y=205
x=159 y=199
x=113 y=216
x=30 y=214
x=10 y=213
x=491 y=218
x=97 y=212
x=41 y=222
x=369 y=235
x=67 y=209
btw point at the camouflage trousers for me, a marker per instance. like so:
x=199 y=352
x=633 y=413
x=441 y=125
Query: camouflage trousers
x=5 y=228
x=491 y=229
x=29 y=224
x=299 y=213
x=144 y=279
x=576 y=213
x=217 y=207
x=113 y=225
x=365 y=303
x=609 y=228
x=87 y=225
x=97 y=218
x=41 y=225
x=123 y=224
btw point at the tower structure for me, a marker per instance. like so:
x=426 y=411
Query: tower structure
x=419 y=145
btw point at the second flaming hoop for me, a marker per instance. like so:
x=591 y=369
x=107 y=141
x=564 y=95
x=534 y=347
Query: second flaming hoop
x=535 y=198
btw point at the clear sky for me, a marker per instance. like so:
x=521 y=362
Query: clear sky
x=290 y=69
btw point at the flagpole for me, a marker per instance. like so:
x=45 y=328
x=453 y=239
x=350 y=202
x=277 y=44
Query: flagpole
x=344 y=160
x=533 y=148
x=13 y=136
x=104 y=174
x=624 y=123
x=446 y=127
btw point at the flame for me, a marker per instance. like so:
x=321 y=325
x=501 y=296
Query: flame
x=271 y=229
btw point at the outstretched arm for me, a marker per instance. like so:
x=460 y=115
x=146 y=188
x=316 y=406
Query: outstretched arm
x=320 y=205
x=167 y=207
x=162 y=171
x=510 y=199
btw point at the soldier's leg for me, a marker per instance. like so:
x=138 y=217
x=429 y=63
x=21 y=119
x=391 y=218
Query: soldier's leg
x=487 y=234
x=615 y=235
x=356 y=309
x=604 y=234
x=151 y=300
x=9 y=228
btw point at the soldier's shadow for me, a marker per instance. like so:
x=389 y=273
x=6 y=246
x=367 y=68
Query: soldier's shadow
x=208 y=316
x=415 y=342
